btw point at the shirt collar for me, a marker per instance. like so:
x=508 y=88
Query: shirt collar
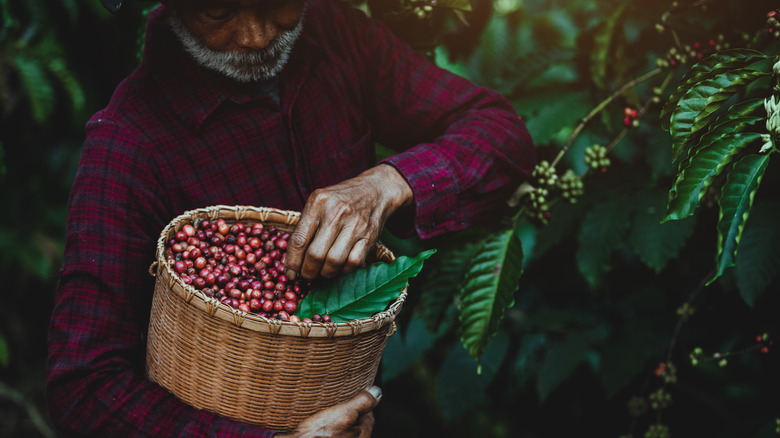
x=195 y=92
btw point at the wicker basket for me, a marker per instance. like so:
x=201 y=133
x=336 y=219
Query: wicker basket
x=249 y=368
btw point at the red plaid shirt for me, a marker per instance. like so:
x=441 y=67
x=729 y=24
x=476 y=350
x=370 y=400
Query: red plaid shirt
x=176 y=137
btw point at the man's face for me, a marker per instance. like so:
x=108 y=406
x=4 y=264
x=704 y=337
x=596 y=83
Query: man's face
x=247 y=40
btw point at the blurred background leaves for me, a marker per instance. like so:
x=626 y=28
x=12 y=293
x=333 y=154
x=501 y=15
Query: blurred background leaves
x=596 y=309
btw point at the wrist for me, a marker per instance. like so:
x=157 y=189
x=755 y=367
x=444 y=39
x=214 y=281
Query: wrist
x=394 y=187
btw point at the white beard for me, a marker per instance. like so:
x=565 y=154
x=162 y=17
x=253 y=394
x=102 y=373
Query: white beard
x=257 y=66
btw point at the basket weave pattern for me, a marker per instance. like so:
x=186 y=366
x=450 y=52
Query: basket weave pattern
x=249 y=368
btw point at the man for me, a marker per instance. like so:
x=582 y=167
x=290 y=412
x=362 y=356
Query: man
x=272 y=103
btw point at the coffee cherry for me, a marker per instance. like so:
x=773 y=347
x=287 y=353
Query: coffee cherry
x=239 y=264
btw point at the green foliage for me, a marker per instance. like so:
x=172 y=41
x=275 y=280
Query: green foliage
x=444 y=281
x=609 y=48
x=601 y=232
x=4 y=352
x=735 y=203
x=364 y=292
x=653 y=241
x=39 y=62
x=701 y=100
x=405 y=348
x=570 y=69
x=710 y=67
x=551 y=113
x=759 y=252
x=488 y=289
x=724 y=146
x=560 y=362
x=582 y=309
x=461 y=380
x=705 y=164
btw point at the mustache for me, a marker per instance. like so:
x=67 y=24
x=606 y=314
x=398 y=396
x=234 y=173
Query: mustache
x=258 y=65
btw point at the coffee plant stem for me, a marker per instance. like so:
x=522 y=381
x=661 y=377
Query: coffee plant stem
x=577 y=130
x=642 y=111
x=683 y=318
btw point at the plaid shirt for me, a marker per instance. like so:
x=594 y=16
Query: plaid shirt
x=176 y=137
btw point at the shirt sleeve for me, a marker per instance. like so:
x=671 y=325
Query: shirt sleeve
x=469 y=149
x=95 y=369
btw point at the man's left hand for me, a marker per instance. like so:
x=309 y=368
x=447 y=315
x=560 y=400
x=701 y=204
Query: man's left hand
x=339 y=224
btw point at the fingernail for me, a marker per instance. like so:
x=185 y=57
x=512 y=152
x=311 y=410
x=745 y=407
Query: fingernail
x=290 y=274
x=376 y=392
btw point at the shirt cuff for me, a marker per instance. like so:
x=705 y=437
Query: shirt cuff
x=435 y=190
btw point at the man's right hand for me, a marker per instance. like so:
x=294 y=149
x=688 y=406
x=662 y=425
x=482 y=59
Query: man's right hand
x=350 y=419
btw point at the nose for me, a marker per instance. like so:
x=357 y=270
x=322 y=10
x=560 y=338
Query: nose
x=255 y=32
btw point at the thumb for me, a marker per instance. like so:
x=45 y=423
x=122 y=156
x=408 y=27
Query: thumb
x=365 y=400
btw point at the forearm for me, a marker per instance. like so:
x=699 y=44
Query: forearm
x=467 y=174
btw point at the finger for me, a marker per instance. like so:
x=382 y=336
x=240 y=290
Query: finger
x=338 y=253
x=318 y=249
x=298 y=244
x=357 y=257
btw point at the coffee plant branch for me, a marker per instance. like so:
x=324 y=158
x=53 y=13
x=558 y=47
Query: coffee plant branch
x=595 y=111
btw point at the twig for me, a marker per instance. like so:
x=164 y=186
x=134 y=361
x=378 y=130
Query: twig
x=32 y=412
x=681 y=320
x=627 y=86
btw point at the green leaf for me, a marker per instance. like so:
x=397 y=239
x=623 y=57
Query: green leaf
x=560 y=362
x=444 y=281
x=488 y=289
x=731 y=82
x=701 y=100
x=626 y=356
x=744 y=108
x=701 y=169
x=560 y=227
x=5 y=357
x=459 y=384
x=759 y=251
x=401 y=352
x=40 y=92
x=656 y=243
x=528 y=360
x=709 y=67
x=735 y=202
x=362 y=293
x=608 y=43
x=462 y=5
x=601 y=232
x=495 y=50
x=69 y=82
x=548 y=112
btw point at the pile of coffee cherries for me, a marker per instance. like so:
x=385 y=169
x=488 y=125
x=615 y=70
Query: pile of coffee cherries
x=241 y=265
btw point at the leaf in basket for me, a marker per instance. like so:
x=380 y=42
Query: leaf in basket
x=362 y=293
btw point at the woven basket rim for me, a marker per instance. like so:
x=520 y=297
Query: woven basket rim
x=211 y=307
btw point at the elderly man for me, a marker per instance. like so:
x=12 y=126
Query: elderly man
x=260 y=102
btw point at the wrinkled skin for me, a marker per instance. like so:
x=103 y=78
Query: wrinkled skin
x=350 y=419
x=340 y=224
